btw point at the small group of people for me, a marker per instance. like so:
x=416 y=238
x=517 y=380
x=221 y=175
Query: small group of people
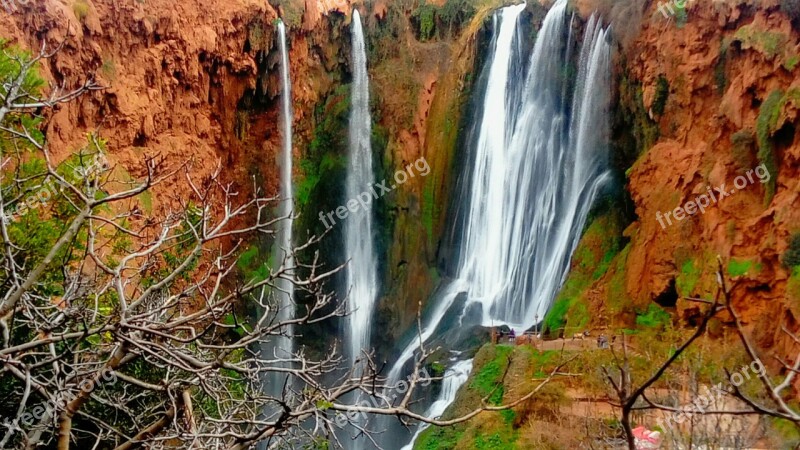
x=602 y=341
x=525 y=338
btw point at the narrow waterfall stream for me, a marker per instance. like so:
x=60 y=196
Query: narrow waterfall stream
x=454 y=378
x=282 y=346
x=536 y=162
x=285 y=288
x=362 y=280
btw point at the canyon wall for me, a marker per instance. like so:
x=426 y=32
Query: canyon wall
x=724 y=68
x=705 y=95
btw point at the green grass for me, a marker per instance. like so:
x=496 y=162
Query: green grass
x=793 y=289
x=769 y=43
x=791 y=257
x=488 y=381
x=439 y=438
x=737 y=268
x=599 y=246
x=654 y=317
x=688 y=278
x=791 y=62
x=496 y=441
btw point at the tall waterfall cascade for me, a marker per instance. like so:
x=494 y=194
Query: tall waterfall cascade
x=536 y=160
x=362 y=279
x=284 y=287
x=281 y=347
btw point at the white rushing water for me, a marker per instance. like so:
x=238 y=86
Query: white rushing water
x=537 y=162
x=454 y=378
x=535 y=178
x=281 y=347
x=362 y=280
x=285 y=288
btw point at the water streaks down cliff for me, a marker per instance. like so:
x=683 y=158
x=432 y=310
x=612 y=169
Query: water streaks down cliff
x=362 y=280
x=454 y=378
x=536 y=161
x=282 y=346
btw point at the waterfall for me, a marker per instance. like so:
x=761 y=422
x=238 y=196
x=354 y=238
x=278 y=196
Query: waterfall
x=535 y=161
x=281 y=346
x=285 y=288
x=362 y=278
x=454 y=378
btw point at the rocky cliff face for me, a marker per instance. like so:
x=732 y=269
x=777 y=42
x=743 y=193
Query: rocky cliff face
x=709 y=100
x=187 y=81
x=706 y=95
x=198 y=81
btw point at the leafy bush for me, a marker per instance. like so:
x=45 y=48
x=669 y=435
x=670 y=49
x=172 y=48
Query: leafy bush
x=791 y=257
x=81 y=9
x=654 y=317
x=425 y=19
x=662 y=93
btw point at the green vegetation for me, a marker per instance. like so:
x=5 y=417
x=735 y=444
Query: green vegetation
x=439 y=438
x=654 y=317
x=793 y=290
x=769 y=43
x=645 y=130
x=737 y=268
x=662 y=94
x=293 y=11
x=618 y=298
x=687 y=280
x=433 y=21
x=766 y=125
x=81 y=9
x=109 y=69
x=591 y=260
x=791 y=257
x=791 y=62
x=720 y=66
x=488 y=381
x=258 y=36
x=681 y=16
x=426 y=16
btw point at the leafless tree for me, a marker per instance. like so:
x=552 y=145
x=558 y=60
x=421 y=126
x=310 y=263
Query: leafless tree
x=123 y=328
x=728 y=401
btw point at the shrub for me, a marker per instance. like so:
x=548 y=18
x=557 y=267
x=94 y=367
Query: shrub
x=737 y=268
x=719 y=67
x=766 y=124
x=662 y=93
x=654 y=317
x=81 y=9
x=791 y=257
